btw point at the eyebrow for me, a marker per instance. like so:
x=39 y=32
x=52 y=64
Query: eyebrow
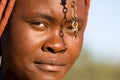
x=50 y=18
x=40 y=15
x=79 y=20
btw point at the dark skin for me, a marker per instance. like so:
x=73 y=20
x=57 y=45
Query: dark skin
x=32 y=48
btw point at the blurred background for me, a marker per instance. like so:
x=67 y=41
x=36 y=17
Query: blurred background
x=100 y=56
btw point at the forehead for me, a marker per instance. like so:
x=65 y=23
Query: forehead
x=26 y=2
x=48 y=6
x=52 y=3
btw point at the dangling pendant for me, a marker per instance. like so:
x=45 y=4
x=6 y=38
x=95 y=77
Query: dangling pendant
x=75 y=30
x=75 y=27
x=74 y=19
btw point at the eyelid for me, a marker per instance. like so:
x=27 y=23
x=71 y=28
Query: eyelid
x=37 y=23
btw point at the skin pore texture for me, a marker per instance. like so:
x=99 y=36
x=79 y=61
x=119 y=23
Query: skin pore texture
x=31 y=46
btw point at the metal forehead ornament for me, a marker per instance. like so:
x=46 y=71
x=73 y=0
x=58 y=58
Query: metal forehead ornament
x=74 y=17
x=74 y=22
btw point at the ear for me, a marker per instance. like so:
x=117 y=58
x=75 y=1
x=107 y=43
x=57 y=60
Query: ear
x=87 y=6
x=87 y=3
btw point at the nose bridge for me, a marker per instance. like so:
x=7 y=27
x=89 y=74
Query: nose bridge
x=54 y=44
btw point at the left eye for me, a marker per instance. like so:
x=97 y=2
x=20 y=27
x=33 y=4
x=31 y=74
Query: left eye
x=70 y=28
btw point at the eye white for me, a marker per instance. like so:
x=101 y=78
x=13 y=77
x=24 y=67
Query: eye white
x=41 y=25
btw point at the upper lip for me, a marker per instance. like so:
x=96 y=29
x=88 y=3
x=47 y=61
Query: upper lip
x=50 y=65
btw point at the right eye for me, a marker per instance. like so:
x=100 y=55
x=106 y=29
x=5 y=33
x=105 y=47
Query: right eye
x=40 y=26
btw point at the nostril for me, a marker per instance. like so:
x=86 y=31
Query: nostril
x=50 y=50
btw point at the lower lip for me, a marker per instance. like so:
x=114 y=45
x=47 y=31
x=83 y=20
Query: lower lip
x=50 y=68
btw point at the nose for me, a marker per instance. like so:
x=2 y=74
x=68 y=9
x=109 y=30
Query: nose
x=54 y=45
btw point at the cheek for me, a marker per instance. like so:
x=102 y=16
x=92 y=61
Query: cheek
x=21 y=43
x=75 y=50
x=21 y=46
x=23 y=39
x=74 y=47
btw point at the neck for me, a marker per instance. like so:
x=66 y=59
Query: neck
x=4 y=73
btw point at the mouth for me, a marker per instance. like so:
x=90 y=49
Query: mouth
x=50 y=66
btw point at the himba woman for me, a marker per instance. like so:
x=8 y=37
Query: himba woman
x=40 y=39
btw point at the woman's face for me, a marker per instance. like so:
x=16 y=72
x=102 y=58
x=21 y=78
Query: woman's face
x=32 y=48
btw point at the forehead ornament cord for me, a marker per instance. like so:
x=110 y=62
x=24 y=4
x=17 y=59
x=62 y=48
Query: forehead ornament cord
x=74 y=17
x=65 y=10
x=64 y=21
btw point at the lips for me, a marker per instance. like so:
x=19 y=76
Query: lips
x=50 y=65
